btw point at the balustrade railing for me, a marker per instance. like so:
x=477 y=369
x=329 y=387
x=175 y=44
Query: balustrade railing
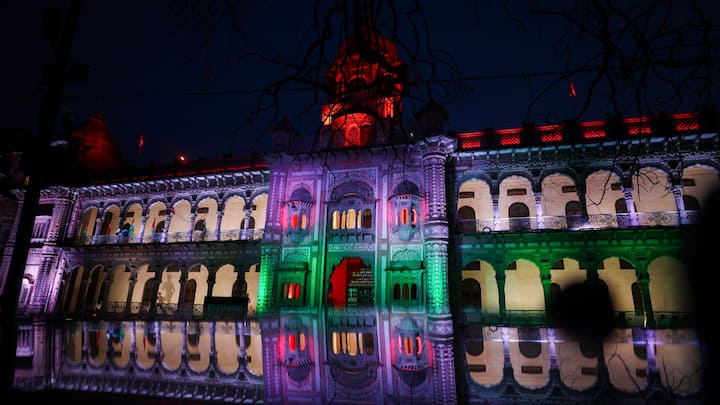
x=593 y=221
x=146 y=310
x=659 y=320
x=170 y=237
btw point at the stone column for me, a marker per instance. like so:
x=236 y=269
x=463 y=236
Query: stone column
x=496 y=212
x=246 y=233
x=500 y=278
x=242 y=354
x=60 y=214
x=85 y=343
x=96 y=231
x=184 y=344
x=677 y=191
x=270 y=257
x=131 y=286
x=630 y=204
x=270 y=327
x=211 y=279
x=582 y=198
x=166 y=225
x=182 y=309
x=546 y=281
x=158 y=343
x=133 y=341
x=644 y=281
x=539 y=210
x=191 y=231
x=216 y=232
x=213 y=349
x=141 y=231
x=435 y=236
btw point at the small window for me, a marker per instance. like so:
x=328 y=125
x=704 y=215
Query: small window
x=466 y=194
x=532 y=369
x=616 y=186
x=516 y=191
x=688 y=182
x=569 y=189
x=367 y=218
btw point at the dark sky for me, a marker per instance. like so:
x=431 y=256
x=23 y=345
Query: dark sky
x=152 y=72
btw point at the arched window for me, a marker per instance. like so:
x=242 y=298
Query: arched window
x=404 y=217
x=466 y=219
x=336 y=219
x=621 y=206
x=519 y=215
x=367 y=218
x=529 y=344
x=291 y=291
x=368 y=344
x=107 y=220
x=200 y=225
x=574 y=214
x=474 y=345
x=351 y=219
x=471 y=294
x=691 y=203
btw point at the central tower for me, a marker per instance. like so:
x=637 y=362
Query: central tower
x=365 y=85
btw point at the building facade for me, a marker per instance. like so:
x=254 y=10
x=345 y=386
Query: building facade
x=391 y=265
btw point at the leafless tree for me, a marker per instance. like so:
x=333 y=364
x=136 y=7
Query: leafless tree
x=632 y=57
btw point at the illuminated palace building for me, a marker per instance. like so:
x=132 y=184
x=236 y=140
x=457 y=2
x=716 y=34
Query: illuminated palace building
x=389 y=267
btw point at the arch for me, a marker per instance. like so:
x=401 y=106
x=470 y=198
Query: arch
x=353 y=188
x=180 y=218
x=652 y=191
x=86 y=225
x=558 y=190
x=602 y=189
x=699 y=181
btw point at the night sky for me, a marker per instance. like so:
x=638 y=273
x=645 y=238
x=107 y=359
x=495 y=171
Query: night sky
x=153 y=72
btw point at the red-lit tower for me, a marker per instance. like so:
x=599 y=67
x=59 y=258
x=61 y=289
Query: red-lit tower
x=366 y=82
